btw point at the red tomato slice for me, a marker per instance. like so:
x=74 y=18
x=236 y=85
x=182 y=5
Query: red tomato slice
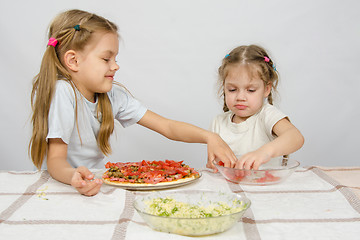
x=109 y=164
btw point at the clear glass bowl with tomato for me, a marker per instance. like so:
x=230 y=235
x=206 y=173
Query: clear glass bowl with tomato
x=267 y=174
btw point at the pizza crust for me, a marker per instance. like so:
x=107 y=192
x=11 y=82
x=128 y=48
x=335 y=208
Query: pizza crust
x=127 y=184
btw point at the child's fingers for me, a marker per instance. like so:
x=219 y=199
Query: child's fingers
x=81 y=174
x=245 y=162
x=85 y=173
x=77 y=181
x=92 y=191
x=94 y=188
x=91 y=188
x=239 y=164
x=233 y=159
x=248 y=164
x=231 y=162
x=229 y=159
x=221 y=151
x=256 y=165
x=211 y=165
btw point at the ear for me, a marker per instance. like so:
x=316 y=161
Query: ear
x=71 y=60
x=267 y=90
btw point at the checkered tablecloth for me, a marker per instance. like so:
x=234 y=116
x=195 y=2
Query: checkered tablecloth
x=308 y=205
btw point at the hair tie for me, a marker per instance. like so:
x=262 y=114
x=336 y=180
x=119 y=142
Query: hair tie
x=227 y=55
x=266 y=59
x=77 y=27
x=52 y=42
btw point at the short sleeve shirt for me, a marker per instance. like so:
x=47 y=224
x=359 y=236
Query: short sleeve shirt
x=77 y=124
x=251 y=134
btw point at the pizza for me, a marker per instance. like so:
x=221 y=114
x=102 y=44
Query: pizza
x=148 y=173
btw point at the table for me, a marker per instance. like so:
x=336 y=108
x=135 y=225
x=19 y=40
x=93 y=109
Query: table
x=313 y=203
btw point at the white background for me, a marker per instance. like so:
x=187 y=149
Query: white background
x=169 y=55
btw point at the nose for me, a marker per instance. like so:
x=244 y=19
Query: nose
x=241 y=95
x=115 y=67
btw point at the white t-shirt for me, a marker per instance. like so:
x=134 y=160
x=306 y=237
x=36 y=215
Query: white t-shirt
x=62 y=121
x=251 y=134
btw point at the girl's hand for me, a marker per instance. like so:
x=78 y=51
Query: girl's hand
x=217 y=148
x=252 y=160
x=289 y=139
x=84 y=182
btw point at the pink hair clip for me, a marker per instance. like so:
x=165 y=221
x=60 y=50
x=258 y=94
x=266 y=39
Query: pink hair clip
x=52 y=42
x=266 y=59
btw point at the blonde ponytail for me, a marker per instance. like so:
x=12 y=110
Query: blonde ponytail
x=104 y=113
x=41 y=95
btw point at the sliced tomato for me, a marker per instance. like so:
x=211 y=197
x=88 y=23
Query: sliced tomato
x=109 y=165
x=261 y=180
x=268 y=177
x=182 y=171
x=172 y=163
x=194 y=172
x=170 y=172
x=271 y=177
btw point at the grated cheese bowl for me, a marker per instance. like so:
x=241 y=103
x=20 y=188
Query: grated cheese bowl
x=193 y=216
x=275 y=172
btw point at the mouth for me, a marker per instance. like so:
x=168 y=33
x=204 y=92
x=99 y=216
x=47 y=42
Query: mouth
x=240 y=107
x=111 y=77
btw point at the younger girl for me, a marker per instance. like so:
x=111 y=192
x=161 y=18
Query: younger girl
x=75 y=102
x=252 y=127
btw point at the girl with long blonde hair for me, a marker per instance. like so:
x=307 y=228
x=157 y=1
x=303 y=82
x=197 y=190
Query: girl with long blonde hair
x=75 y=101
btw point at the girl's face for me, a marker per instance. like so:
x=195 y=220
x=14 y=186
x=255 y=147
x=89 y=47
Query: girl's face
x=97 y=65
x=244 y=92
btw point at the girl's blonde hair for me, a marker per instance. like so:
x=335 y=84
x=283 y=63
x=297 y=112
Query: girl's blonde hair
x=73 y=30
x=257 y=58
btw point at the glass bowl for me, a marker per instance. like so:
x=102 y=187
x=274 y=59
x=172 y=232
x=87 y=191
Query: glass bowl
x=267 y=174
x=191 y=212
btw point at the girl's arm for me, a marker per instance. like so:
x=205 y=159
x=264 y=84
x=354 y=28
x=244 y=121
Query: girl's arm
x=180 y=131
x=62 y=171
x=289 y=139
